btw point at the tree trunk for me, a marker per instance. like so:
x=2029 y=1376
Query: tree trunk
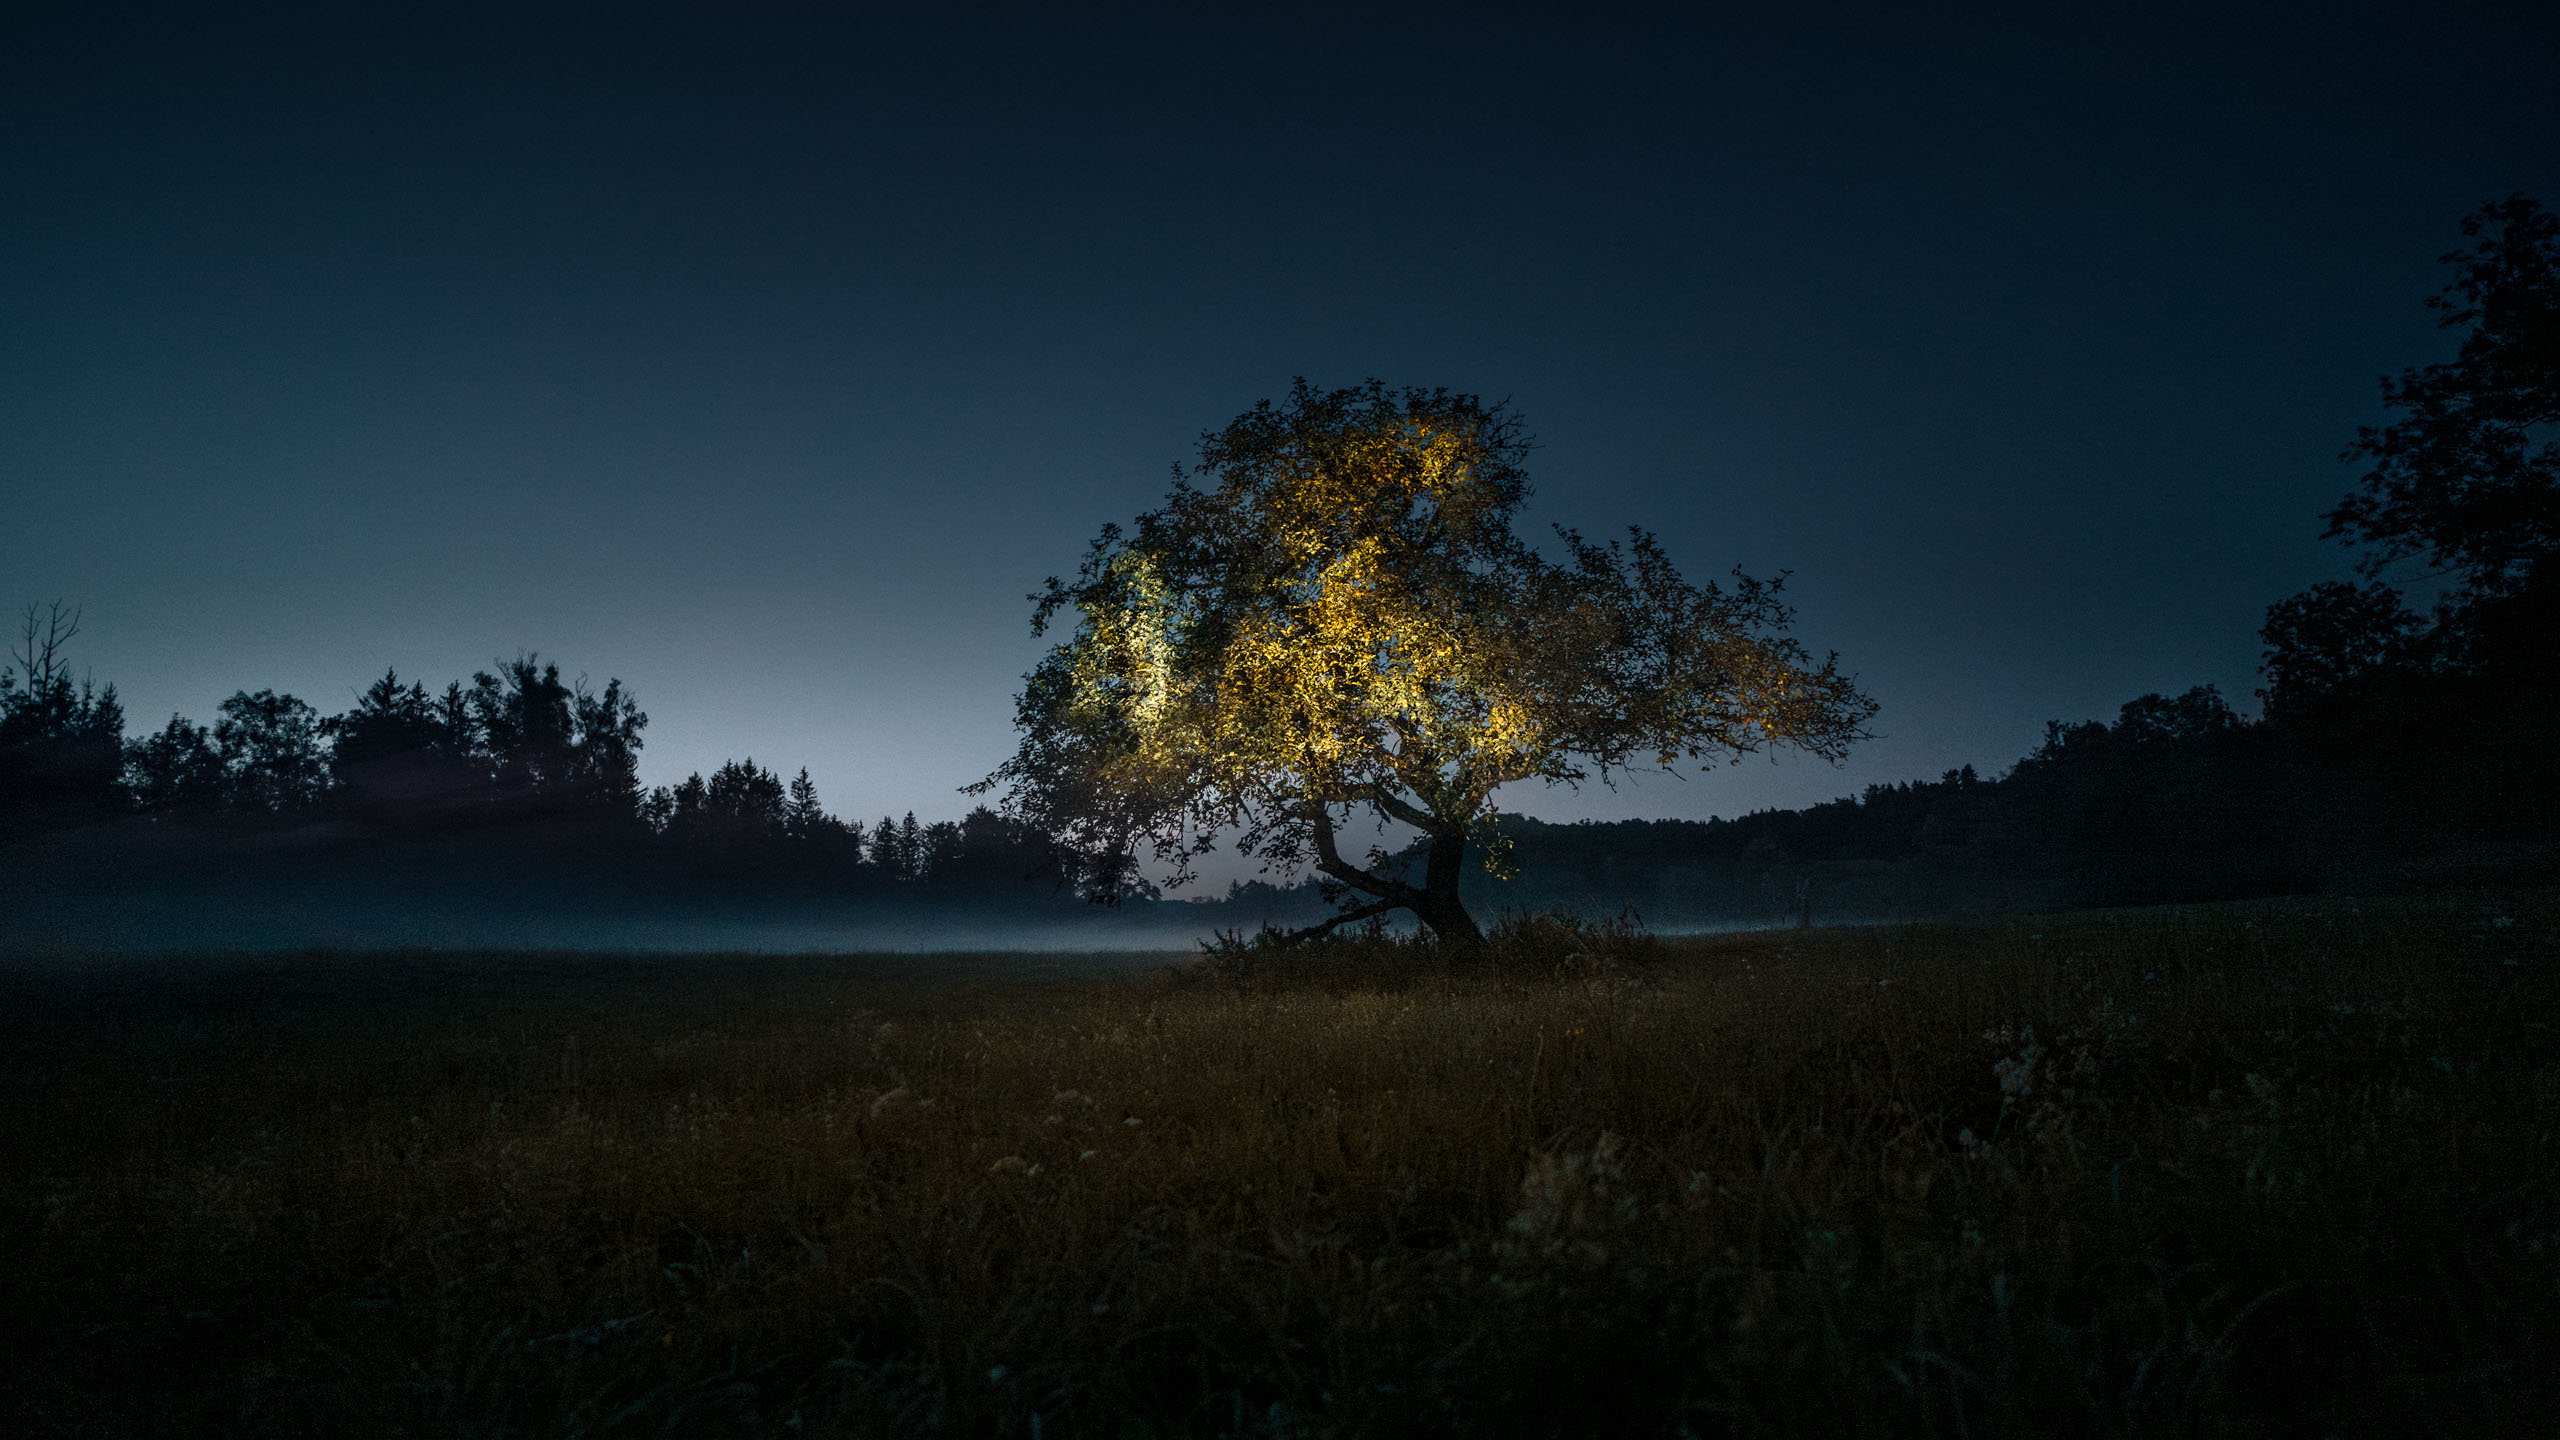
x=1435 y=904
x=1440 y=909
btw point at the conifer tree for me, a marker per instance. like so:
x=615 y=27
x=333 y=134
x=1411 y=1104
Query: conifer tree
x=801 y=817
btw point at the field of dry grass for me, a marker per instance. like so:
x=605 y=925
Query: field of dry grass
x=2281 y=1169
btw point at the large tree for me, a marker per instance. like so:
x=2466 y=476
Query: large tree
x=2450 y=719
x=1332 y=614
x=2467 y=478
x=2464 y=484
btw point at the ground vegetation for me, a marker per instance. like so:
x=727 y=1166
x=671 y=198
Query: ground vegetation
x=2266 y=1169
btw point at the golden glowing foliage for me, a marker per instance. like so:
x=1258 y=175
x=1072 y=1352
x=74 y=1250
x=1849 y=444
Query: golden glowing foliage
x=1348 y=618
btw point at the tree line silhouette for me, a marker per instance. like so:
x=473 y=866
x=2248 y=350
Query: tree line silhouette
x=516 y=756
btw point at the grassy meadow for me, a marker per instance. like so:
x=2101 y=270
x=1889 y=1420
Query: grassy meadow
x=2279 y=1169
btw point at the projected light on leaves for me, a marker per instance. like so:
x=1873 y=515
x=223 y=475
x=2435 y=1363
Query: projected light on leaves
x=1332 y=614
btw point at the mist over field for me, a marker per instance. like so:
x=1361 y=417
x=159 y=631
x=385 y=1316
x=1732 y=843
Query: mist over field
x=359 y=923
x=368 y=912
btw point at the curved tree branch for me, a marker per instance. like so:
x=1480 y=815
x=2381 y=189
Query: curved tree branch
x=1327 y=927
x=1392 y=893
x=1402 y=809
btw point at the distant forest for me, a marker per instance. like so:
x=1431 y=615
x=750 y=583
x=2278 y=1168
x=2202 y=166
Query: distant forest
x=517 y=762
x=2396 y=748
x=2435 y=764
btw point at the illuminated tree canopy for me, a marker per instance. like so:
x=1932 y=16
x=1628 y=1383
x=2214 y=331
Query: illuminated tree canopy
x=1332 y=615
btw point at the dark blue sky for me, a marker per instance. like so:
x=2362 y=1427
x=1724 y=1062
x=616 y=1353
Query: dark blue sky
x=767 y=363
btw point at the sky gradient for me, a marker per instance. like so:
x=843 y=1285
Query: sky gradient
x=766 y=361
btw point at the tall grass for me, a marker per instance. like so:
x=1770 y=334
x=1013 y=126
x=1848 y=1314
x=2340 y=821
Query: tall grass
x=2245 y=1170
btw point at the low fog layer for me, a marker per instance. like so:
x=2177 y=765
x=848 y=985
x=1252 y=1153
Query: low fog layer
x=270 y=922
x=273 y=921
